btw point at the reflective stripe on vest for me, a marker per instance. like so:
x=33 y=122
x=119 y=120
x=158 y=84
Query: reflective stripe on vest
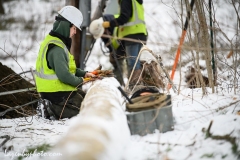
x=46 y=79
x=114 y=41
x=136 y=24
x=41 y=73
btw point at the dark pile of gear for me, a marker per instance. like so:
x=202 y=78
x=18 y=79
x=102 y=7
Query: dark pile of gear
x=149 y=107
x=149 y=110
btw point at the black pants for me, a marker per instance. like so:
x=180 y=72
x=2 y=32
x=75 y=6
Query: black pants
x=69 y=106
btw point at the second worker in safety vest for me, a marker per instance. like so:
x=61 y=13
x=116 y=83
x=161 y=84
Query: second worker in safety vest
x=131 y=25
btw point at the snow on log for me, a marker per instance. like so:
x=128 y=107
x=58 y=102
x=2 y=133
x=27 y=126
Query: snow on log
x=100 y=131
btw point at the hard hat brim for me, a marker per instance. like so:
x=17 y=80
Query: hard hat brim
x=73 y=15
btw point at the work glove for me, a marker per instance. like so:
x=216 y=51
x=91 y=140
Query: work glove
x=106 y=24
x=102 y=72
x=87 y=79
x=89 y=75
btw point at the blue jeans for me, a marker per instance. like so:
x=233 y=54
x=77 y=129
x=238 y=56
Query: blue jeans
x=132 y=53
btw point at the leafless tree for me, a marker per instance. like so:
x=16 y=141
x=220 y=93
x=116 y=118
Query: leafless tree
x=205 y=38
x=1 y=7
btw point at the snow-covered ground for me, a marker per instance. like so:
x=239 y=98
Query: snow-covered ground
x=192 y=112
x=189 y=140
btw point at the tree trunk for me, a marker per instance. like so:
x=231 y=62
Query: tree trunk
x=236 y=53
x=193 y=41
x=196 y=61
x=76 y=40
x=1 y=7
x=100 y=131
x=205 y=42
x=99 y=9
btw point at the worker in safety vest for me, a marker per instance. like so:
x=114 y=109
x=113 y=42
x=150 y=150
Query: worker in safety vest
x=57 y=78
x=131 y=25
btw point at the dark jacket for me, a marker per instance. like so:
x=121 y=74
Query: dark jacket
x=57 y=60
x=125 y=15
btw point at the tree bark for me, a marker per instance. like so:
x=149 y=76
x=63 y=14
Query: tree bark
x=76 y=40
x=205 y=42
x=196 y=61
x=99 y=10
x=100 y=131
x=2 y=11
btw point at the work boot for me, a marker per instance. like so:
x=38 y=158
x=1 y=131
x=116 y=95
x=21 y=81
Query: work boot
x=43 y=109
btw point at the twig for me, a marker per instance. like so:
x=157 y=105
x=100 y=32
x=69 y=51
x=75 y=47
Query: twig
x=168 y=44
x=12 y=58
x=7 y=137
x=236 y=11
x=5 y=126
x=17 y=91
x=235 y=106
x=191 y=144
x=220 y=108
x=17 y=107
x=226 y=137
x=208 y=134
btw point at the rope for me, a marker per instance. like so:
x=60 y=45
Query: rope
x=171 y=45
x=151 y=101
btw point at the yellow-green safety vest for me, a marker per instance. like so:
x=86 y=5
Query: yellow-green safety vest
x=114 y=41
x=136 y=24
x=46 y=79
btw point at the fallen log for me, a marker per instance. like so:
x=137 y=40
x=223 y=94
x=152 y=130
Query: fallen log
x=100 y=131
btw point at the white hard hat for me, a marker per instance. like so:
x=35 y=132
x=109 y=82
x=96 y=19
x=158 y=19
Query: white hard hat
x=72 y=14
x=96 y=28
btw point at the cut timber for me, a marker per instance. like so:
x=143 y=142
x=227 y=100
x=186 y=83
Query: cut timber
x=100 y=131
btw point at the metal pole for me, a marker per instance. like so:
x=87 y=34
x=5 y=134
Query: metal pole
x=85 y=8
x=83 y=45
